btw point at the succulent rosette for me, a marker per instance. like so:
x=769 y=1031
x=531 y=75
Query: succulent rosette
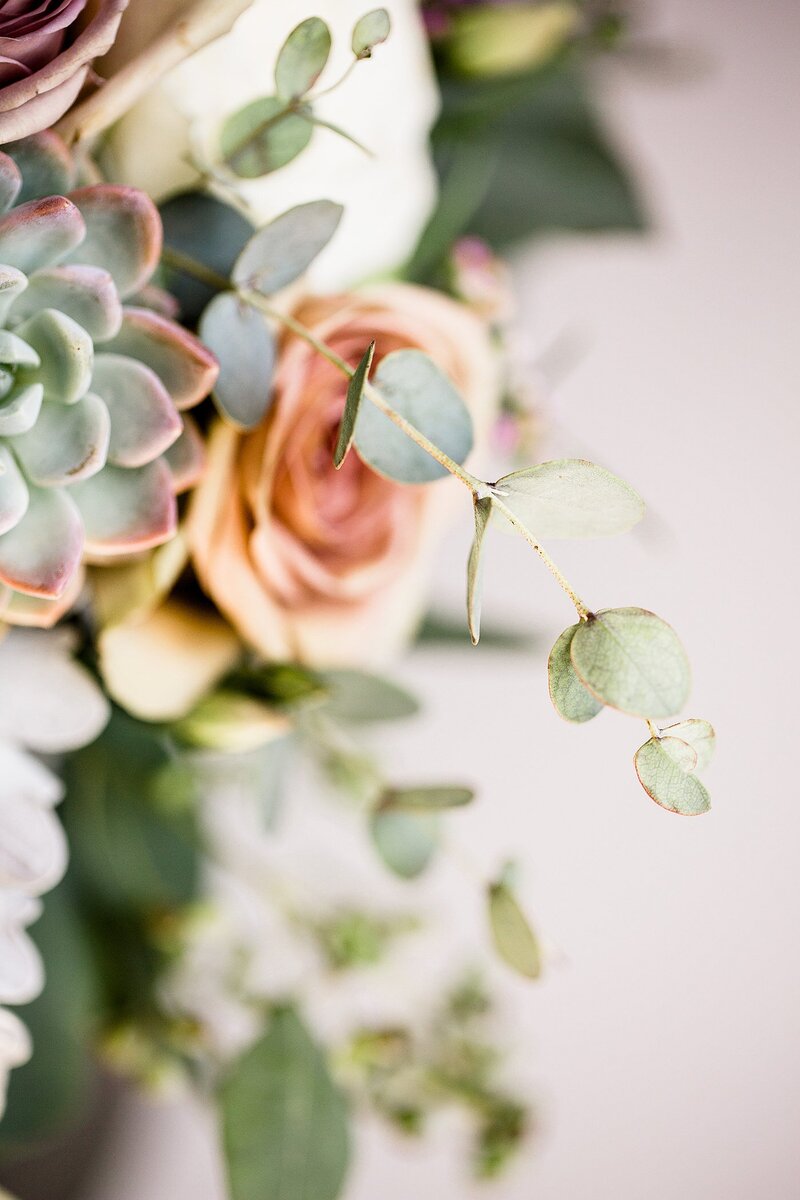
x=46 y=49
x=93 y=447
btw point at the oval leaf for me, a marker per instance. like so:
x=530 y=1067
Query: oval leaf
x=697 y=734
x=406 y=841
x=571 y=498
x=281 y=251
x=664 y=766
x=302 y=58
x=570 y=698
x=632 y=660
x=415 y=388
x=513 y=937
x=361 y=698
x=244 y=345
x=483 y=511
x=425 y=799
x=209 y=231
x=262 y=137
x=369 y=31
x=355 y=392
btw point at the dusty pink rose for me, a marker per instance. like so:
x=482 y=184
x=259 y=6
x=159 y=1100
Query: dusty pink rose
x=315 y=564
x=46 y=48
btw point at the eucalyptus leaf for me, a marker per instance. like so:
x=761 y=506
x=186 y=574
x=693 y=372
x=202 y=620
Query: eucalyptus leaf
x=263 y=136
x=632 y=660
x=699 y=735
x=412 y=384
x=232 y=723
x=355 y=392
x=280 y=252
x=483 y=512
x=664 y=766
x=302 y=58
x=425 y=799
x=369 y=31
x=571 y=498
x=245 y=348
x=570 y=698
x=284 y=685
x=513 y=937
x=284 y=1122
x=209 y=231
x=362 y=698
x=406 y=841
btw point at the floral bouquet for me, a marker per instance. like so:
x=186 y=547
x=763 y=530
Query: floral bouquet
x=255 y=365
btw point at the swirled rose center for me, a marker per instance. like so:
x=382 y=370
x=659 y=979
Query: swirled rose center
x=32 y=32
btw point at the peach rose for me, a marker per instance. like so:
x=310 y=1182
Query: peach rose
x=325 y=566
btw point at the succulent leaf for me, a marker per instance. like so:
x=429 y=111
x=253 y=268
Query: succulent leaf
x=13 y=492
x=45 y=164
x=10 y=182
x=185 y=366
x=123 y=234
x=87 y=294
x=127 y=510
x=186 y=457
x=65 y=351
x=144 y=420
x=40 y=233
x=42 y=552
x=20 y=410
x=66 y=443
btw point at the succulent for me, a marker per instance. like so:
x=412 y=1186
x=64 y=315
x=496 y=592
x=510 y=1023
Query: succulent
x=93 y=449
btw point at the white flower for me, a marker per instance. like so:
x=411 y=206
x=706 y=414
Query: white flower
x=48 y=704
x=388 y=103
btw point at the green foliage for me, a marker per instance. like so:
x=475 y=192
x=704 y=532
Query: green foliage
x=370 y=31
x=207 y=231
x=570 y=498
x=245 y=348
x=513 y=937
x=666 y=766
x=355 y=392
x=571 y=699
x=361 y=698
x=415 y=388
x=302 y=58
x=264 y=136
x=426 y=799
x=405 y=840
x=282 y=250
x=284 y=685
x=483 y=512
x=284 y=1123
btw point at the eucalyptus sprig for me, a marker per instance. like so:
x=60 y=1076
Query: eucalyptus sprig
x=270 y=132
x=416 y=429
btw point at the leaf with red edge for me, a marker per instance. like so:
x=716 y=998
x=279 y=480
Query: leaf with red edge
x=186 y=368
x=87 y=294
x=186 y=457
x=40 y=555
x=37 y=612
x=144 y=420
x=13 y=491
x=123 y=233
x=40 y=233
x=66 y=444
x=126 y=510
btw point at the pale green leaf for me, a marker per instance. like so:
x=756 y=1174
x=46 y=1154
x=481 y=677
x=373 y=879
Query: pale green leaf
x=664 y=766
x=369 y=31
x=302 y=58
x=231 y=723
x=570 y=698
x=513 y=937
x=483 y=512
x=244 y=346
x=571 y=498
x=406 y=841
x=355 y=391
x=414 y=387
x=284 y=1122
x=361 y=698
x=263 y=137
x=699 y=735
x=426 y=799
x=632 y=660
x=280 y=252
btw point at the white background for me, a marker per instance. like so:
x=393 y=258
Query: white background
x=663 y=1044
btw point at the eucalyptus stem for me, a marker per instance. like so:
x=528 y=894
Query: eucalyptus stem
x=581 y=609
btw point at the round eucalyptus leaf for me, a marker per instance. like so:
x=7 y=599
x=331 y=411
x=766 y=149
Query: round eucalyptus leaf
x=369 y=31
x=245 y=348
x=664 y=766
x=570 y=698
x=699 y=735
x=302 y=58
x=406 y=841
x=209 y=231
x=280 y=252
x=632 y=660
x=571 y=498
x=262 y=137
x=414 y=387
x=513 y=937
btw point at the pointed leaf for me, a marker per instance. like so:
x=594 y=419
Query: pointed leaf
x=632 y=660
x=697 y=734
x=406 y=841
x=355 y=391
x=144 y=420
x=369 y=31
x=284 y=1123
x=87 y=294
x=244 y=345
x=483 y=512
x=40 y=555
x=281 y=251
x=302 y=58
x=186 y=457
x=570 y=698
x=127 y=510
x=123 y=233
x=513 y=937
x=67 y=443
x=13 y=491
x=664 y=766
x=414 y=387
x=363 y=698
x=571 y=498
x=425 y=799
x=66 y=353
x=181 y=361
x=263 y=137
x=20 y=410
x=40 y=233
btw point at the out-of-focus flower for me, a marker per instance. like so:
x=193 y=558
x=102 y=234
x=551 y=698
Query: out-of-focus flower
x=482 y=280
x=46 y=49
x=92 y=445
x=48 y=705
x=499 y=37
x=388 y=104
x=319 y=565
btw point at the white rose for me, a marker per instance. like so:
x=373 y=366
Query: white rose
x=388 y=104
